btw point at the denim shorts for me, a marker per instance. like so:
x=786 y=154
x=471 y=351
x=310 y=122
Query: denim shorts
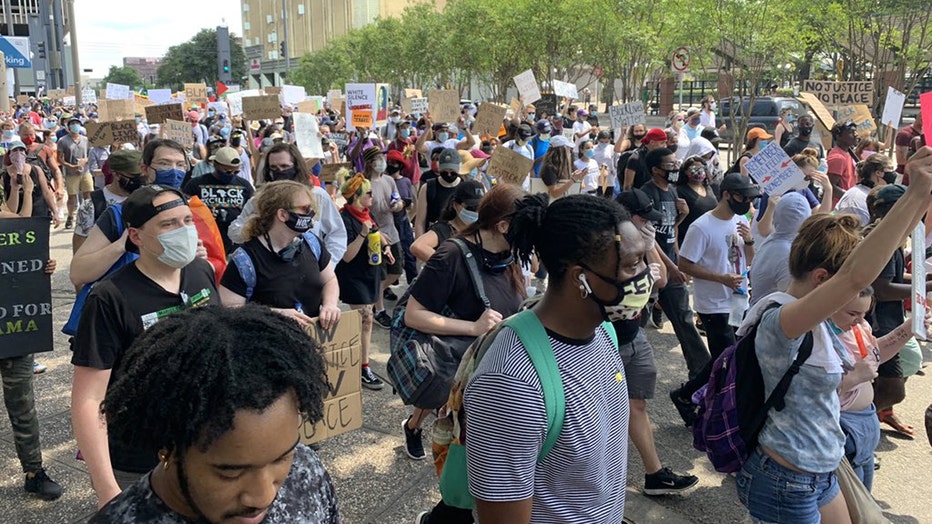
x=775 y=494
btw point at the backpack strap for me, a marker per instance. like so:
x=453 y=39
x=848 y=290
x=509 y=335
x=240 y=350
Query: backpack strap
x=247 y=271
x=608 y=327
x=775 y=400
x=474 y=274
x=536 y=342
x=313 y=242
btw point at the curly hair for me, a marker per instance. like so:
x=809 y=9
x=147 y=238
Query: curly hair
x=576 y=228
x=186 y=377
x=271 y=197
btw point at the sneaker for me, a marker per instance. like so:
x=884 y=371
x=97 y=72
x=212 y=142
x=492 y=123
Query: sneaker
x=370 y=381
x=383 y=319
x=422 y=517
x=656 y=318
x=70 y=222
x=42 y=486
x=414 y=445
x=684 y=406
x=388 y=294
x=665 y=482
x=38 y=369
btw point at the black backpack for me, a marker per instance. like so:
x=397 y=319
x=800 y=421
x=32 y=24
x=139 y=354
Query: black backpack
x=33 y=159
x=736 y=167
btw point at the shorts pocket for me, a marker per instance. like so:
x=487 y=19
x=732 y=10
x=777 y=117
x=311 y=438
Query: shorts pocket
x=797 y=490
x=743 y=484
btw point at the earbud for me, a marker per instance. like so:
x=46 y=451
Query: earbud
x=585 y=283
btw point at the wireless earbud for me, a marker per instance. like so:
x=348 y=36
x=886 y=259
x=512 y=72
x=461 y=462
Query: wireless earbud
x=585 y=283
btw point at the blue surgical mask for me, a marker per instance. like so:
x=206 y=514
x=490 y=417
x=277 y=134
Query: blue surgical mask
x=590 y=153
x=54 y=139
x=179 y=246
x=467 y=216
x=473 y=173
x=74 y=128
x=531 y=116
x=138 y=119
x=8 y=133
x=405 y=133
x=169 y=177
x=762 y=144
x=443 y=137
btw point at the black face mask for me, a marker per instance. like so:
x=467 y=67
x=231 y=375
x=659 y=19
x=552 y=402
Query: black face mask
x=235 y=141
x=889 y=177
x=299 y=223
x=449 y=176
x=131 y=184
x=638 y=137
x=286 y=174
x=392 y=169
x=672 y=147
x=739 y=208
x=804 y=130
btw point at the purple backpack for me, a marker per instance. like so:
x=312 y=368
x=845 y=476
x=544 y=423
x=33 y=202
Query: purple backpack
x=732 y=408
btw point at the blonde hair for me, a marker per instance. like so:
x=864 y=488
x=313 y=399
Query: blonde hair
x=807 y=157
x=271 y=197
x=824 y=241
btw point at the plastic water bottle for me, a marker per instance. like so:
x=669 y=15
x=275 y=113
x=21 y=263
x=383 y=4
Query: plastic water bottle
x=739 y=304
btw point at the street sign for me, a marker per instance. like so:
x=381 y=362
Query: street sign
x=680 y=61
x=17 y=52
x=255 y=65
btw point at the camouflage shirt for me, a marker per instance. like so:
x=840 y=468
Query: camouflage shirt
x=307 y=496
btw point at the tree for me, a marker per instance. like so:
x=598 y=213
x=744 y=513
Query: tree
x=123 y=75
x=196 y=61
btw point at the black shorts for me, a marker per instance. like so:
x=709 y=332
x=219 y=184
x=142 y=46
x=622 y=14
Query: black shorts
x=891 y=368
x=398 y=267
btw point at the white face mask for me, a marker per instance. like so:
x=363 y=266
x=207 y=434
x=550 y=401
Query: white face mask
x=179 y=246
x=379 y=166
x=713 y=106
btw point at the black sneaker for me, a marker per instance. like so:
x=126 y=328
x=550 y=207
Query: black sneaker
x=370 y=381
x=414 y=445
x=665 y=482
x=656 y=318
x=383 y=319
x=422 y=518
x=388 y=294
x=684 y=406
x=70 y=222
x=42 y=486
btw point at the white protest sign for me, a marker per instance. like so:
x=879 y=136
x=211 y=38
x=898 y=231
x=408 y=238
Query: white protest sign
x=418 y=105
x=565 y=89
x=291 y=95
x=359 y=97
x=919 y=284
x=220 y=107
x=333 y=98
x=161 y=96
x=893 y=108
x=236 y=100
x=627 y=114
x=88 y=96
x=305 y=134
x=527 y=86
x=775 y=171
x=118 y=92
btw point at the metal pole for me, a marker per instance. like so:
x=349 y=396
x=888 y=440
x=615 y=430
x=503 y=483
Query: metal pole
x=4 y=95
x=75 y=65
x=8 y=14
x=287 y=47
x=681 y=75
x=58 y=62
x=50 y=48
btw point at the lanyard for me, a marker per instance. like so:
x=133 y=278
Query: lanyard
x=860 y=339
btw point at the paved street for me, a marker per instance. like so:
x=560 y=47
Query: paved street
x=376 y=483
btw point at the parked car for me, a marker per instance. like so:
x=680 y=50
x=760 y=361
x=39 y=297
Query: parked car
x=765 y=113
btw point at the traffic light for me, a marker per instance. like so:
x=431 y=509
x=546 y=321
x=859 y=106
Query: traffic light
x=226 y=66
x=224 y=58
x=281 y=47
x=41 y=49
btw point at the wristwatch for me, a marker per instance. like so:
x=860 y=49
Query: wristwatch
x=749 y=242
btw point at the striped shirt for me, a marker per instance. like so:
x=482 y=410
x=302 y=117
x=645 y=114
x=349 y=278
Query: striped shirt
x=583 y=477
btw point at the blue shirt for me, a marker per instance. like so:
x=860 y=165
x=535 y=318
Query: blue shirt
x=540 y=147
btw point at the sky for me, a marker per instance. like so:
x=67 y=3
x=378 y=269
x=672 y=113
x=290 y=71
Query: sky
x=108 y=30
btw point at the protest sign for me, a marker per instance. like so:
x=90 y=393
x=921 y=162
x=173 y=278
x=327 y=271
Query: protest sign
x=821 y=113
x=26 y=301
x=305 y=133
x=98 y=134
x=569 y=135
x=328 y=172
x=414 y=105
x=118 y=92
x=236 y=100
x=292 y=95
x=272 y=90
x=342 y=353
x=489 y=119
x=362 y=118
x=547 y=105
x=444 y=105
x=841 y=93
x=413 y=93
x=310 y=106
x=340 y=139
x=775 y=171
x=381 y=104
x=893 y=108
x=220 y=107
x=88 y=96
x=919 y=284
x=261 y=107
x=859 y=114
x=925 y=107
x=627 y=114
x=22 y=99
x=125 y=132
x=516 y=106
x=509 y=167
x=70 y=90
x=565 y=89
x=527 y=87
x=57 y=93
x=359 y=98
x=160 y=113
x=333 y=97
x=196 y=93
x=161 y=96
x=142 y=103
x=115 y=110
x=179 y=131
x=69 y=100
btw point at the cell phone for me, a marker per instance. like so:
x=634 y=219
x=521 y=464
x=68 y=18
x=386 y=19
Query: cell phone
x=20 y=179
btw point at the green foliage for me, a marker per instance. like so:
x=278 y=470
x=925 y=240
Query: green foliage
x=196 y=61
x=123 y=75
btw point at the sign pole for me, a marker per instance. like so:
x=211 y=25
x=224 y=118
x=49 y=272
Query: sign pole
x=4 y=94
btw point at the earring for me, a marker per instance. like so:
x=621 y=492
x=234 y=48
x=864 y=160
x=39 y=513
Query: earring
x=583 y=292
x=163 y=458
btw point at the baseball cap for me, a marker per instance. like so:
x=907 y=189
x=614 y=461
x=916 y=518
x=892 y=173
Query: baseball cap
x=74 y=119
x=544 y=126
x=194 y=115
x=449 y=160
x=692 y=111
x=888 y=195
x=227 y=156
x=740 y=184
x=524 y=131
x=638 y=203
x=138 y=208
x=395 y=156
x=478 y=153
x=758 y=133
x=469 y=193
x=581 y=112
x=16 y=144
x=840 y=127
x=654 y=135
x=126 y=161
x=559 y=141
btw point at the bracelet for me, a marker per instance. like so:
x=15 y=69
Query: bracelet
x=749 y=242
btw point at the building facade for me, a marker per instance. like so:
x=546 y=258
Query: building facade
x=146 y=66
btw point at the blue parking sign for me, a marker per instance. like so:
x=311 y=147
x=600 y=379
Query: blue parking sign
x=16 y=51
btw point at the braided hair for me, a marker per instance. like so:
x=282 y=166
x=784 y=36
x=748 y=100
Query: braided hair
x=185 y=378
x=577 y=228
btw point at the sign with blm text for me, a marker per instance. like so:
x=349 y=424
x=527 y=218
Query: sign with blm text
x=26 y=301
x=841 y=93
x=342 y=352
x=195 y=93
x=124 y=132
x=775 y=171
x=627 y=114
x=509 y=167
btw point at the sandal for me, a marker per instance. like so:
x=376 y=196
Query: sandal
x=889 y=418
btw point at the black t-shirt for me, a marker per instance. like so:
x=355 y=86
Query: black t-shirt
x=278 y=283
x=445 y=281
x=665 y=202
x=437 y=197
x=225 y=199
x=698 y=206
x=888 y=314
x=637 y=162
x=627 y=330
x=796 y=146
x=117 y=311
x=359 y=280
x=40 y=208
x=443 y=230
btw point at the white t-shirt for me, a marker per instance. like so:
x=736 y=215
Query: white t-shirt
x=450 y=143
x=579 y=127
x=591 y=179
x=605 y=156
x=855 y=201
x=707 y=119
x=715 y=245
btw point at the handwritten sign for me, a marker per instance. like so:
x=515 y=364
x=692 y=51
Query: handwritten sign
x=516 y=106
x=489 y=119
x=124 y=132
x=26 y=301
x=893 y=108
x=919 y=285
x=821 y=113
x=161 y=96
x=414 y=105
x=775 y=171
x=195 y=93
x=160 y=113
x=342 y=352
x=340 y=139
x=328 y=172
x=98 y=133
x=306 y=131
x=859 y=114
x=57 y=93
x=841 y=93
x=444 y=105
x=118 y=92
x=115 y=110
x=292 y=95
x=261 y=107
x=413 y=93
x=236 y=100
x=22 y=99
x=627 y=114
x=509 y=167
x=179 y=131
x=311 y=106
x=527 y=87
x=547 y=105
x=333 y=97
x=362 y=118
x=273 y=90
x=565 y=89
x=221 y=108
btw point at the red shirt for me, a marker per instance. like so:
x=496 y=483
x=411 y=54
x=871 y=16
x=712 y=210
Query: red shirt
x=412 y=169
x=841 y=163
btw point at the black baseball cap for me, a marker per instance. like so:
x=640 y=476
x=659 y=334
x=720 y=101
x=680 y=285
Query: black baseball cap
x=138 y=208
x=638 y=203
x=740 y=184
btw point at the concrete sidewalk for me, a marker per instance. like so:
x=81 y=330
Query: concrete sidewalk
x=377 y=483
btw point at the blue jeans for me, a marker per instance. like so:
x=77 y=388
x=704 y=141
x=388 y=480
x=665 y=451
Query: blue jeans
x=862 y=434
x=775 y=494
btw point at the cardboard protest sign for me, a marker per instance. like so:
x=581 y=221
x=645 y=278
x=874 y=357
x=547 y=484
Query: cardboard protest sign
x=821 y=113
x=893 y=108
x=627 y=114
x=309 y=106
x=115 y=110
x=22 y=99
x=527 y=87
x=57 y=93
x=161 y=96
x=413 y=93
x=841 y=93
x=381 y=104
x=444 y=105
x=262 y=107
x=160 y=113
x=547 y=104
x=509 y=167
x=328 y=172
x=305 y=131
x=125 y=132
x=775 y=171
x=98 y=134
x=859 y=114
x=26 y=301
x=272 y=90
x=925 y=107
x=565 y=89
x=142 y=103
x=516 y=106
x=179 y=131
x=359 y=98
x=236 y=100
x=919 y=285
x=342 y=352
x=414 y=105
x=489 y=119
x=196 y=93
x=292 y=95
x=340 y=139
x=118 y=92
x=69 y=90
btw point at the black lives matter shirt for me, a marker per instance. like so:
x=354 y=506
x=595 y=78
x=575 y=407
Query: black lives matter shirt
x=225 y=199
x=117 y=311
x=665 y=202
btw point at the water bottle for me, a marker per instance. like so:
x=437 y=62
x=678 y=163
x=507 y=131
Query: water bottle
x=739 y=304
x=374 y=239
x=395 y=198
